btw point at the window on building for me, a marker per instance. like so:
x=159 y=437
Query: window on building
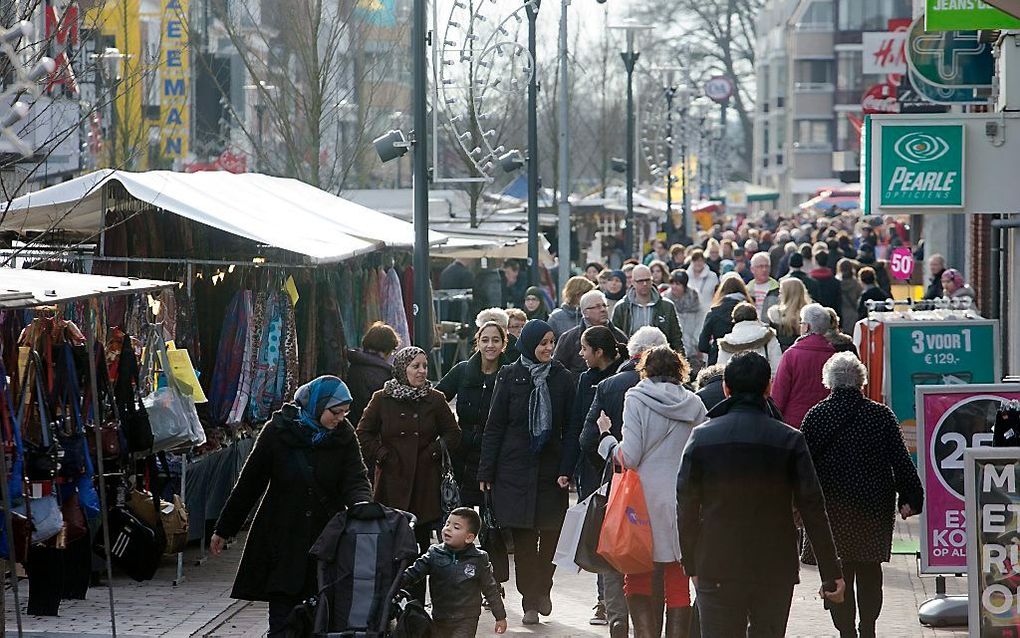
x=814 y=133
x=847 y=137
x=871 y=15
x=813 y=72
x=848 y=71
x=818 y=14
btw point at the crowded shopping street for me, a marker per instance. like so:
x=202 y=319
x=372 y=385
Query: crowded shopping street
x=410 y=319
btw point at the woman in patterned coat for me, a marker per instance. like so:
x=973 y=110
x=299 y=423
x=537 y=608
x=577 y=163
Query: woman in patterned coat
x=862 y=464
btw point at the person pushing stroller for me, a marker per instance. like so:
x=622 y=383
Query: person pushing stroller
x=460 y=574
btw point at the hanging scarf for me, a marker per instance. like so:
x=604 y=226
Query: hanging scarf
x=539 y=403
x=398 y=387
x=317 y=396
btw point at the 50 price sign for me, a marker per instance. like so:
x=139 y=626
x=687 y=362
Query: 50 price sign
x=901 y=263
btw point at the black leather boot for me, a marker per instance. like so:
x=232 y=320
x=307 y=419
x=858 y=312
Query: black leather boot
x=642 y=619
x=678 y=622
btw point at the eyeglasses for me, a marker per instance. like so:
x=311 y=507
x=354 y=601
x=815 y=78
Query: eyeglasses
x=642 y=281
x=340 y=410
x=598 y=305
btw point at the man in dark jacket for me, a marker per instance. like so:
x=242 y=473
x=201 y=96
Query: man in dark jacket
x=739 y=473
x=829 y=289
x=797 y=272
x=644 y=306
x=594 y=312
x=609 y=395
x=936 y=266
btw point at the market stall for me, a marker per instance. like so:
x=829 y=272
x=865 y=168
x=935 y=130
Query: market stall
x=23 y=291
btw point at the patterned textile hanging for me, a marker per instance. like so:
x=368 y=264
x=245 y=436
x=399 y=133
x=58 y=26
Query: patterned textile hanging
x=393 y=306
x=230 y=355
x=241 y=399
x=332 y=346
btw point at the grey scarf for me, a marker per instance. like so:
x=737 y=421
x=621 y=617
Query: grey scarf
x=539 y=404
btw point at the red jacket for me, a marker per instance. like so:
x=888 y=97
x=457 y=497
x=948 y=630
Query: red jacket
x=798 y=384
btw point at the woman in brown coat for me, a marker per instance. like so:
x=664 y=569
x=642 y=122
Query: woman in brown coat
x=400 y=434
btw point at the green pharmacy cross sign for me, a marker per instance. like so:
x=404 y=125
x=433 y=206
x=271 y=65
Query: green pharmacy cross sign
x=965 y=15
x=922 y=166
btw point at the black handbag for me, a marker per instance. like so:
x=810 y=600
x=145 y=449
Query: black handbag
x=491 y=539
x=449 y=491
x=41 y=456
x=587 y=556
x=134 y=419
x=134 y=546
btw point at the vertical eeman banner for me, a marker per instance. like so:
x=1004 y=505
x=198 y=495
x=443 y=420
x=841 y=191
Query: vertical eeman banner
x=175 y=80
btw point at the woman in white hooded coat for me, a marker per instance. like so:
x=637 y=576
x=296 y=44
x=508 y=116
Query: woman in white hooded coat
x=750 y=334
x=658 y=416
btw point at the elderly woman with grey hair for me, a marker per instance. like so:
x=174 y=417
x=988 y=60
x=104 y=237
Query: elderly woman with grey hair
x=797 y=386
x=863 y=466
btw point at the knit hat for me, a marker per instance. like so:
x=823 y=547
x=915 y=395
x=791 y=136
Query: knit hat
x=531 y=335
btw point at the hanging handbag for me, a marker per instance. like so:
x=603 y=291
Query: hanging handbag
x=449 y=491
x=133 y=418
x=105 y=416
x=22 y=538
x=570 y=536
x=137 y=548
x=44 y=515
x=75 y=524
x=40 y=457
x=587 y=557
x=491 y=539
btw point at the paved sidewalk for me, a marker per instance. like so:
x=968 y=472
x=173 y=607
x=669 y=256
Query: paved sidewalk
x=201 y=606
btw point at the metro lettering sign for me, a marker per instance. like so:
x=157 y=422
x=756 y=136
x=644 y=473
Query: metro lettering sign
x=922 y=166
x=175 y=80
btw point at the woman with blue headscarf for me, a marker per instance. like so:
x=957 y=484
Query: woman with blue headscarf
x=526 y=450
x=307 y=463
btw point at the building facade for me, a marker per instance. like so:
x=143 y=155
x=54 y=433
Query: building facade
x=810 y=83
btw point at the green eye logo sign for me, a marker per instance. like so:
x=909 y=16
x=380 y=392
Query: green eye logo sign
x=917 y=148
x=922 y=166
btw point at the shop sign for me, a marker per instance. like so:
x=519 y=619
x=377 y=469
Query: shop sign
x=993 y=566
x=951 y=420
x=880 y=98
x=949 y=15
x=175 y=80
x=911 y=101
x=901 y=263
x=922 y=165
x=883 y=52
x=935 y=353
x=944 y=95
x=951 y=59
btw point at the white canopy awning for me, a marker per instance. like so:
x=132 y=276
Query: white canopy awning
x=276 y=211
x=21 y=288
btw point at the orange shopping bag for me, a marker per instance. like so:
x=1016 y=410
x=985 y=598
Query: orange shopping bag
x=626 y=538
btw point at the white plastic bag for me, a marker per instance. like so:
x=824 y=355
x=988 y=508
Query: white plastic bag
x=570 y=537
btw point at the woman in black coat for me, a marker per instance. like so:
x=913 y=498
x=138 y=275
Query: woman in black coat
x=719 y=320
x=307 y=463
x=862 y=466
x=525 y=460
x=471 y=382
x=370 y=366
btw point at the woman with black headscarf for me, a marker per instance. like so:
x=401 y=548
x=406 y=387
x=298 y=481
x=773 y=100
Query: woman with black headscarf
x=526 y=460
x=402 y=432
x=308 y=464
x=614 y=287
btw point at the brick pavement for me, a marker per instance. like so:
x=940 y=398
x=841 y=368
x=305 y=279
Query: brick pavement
x=201 y=606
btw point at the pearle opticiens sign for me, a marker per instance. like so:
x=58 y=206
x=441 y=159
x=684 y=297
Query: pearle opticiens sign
x=922 y=166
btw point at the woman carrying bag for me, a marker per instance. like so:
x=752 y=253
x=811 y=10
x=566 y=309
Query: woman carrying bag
x=402 y=434
x=526 y=461
x=658 y=416
x=308 y=464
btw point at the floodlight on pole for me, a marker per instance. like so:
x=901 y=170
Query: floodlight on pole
x=630 y=55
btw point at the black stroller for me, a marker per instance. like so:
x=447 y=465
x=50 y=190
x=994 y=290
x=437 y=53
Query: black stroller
x=360 y=555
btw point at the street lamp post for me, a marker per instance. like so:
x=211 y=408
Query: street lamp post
x=533 y=277
x=420 y=177
x=630 y=57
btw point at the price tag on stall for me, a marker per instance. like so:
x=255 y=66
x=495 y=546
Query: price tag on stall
x=901 y=263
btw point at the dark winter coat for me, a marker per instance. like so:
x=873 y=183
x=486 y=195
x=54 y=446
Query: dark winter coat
x=797 y=386
x=663 y=317
x=934 y=289
x=871 y=294
x=718 y=323
x=739 y=476
x=711 y=391
x=365 y=376
x=568 y=347
x=587 y=385
x=810 y=284
x=473 y=392
x=862 y=465
x=457 y=580
x=400 y=439
x=609 y=396
x=829 y=290
x=564 y=318
x=293 y=511
x=524 y=489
